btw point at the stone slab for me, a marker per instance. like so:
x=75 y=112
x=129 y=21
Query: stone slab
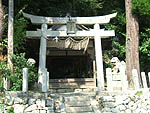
x=77 y=98
x=78 y=109
x=77 y=103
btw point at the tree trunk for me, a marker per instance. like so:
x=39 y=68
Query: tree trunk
x=10 y=32
x=2 y=19
x=132 y=42
x=1 y=26
x=10 y=35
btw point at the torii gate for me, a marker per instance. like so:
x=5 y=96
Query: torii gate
x=95 y=33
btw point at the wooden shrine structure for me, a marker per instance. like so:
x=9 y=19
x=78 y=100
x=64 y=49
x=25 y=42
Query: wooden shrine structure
x=95 y=34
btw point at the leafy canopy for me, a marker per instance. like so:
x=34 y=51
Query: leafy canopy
x=141 y=7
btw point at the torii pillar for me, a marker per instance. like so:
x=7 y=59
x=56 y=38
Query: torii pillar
x=42 y=84
x=99 y=59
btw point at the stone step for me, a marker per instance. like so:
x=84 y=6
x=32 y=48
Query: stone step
x=73 y=85
x=76 y=98
x=77 y=103
x=79 y=109
x=72 y=90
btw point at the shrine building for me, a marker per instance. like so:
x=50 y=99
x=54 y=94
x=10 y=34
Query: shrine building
x=70 y=52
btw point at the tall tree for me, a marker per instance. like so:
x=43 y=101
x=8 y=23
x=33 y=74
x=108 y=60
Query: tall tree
x=2 y=18
x=1 y=24
x=10 y=34
x=132 y=42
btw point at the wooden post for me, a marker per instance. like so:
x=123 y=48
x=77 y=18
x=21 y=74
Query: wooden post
x=94 y=71
x=47 y=81
x=5 y=85
x=144 y=80
x=123 y=79
x=135 y=79
x=25 y=80
x=109 y=79
x=42 y=60
x=149 y=78
x=99 y=61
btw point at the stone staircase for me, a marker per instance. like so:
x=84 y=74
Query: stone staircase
x=79 y=103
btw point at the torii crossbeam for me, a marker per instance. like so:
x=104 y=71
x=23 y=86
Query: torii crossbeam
x=63 y=20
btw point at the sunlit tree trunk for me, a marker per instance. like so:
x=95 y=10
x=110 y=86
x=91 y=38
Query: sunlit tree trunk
x=10 y=31
x=132 y=42
x=10 y=34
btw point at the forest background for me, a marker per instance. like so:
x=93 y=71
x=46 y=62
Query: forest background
x=59 y=8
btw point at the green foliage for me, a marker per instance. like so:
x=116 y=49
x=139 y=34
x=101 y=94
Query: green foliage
x=4 y=42
x=2 y=65
x=118 y=42
x=144 y=50
x=139 y=93
x=2 y=107
x=107 y=55
x=119 y=50
x=4 y=71
x=10 y=110
x=20 y=24
x=19 y=62
x=61 y=7
x=19 y=34
x=1 y=85
x=90 y=7
x=146 y=34
x=141 y=7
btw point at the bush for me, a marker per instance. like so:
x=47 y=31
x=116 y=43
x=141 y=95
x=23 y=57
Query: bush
x=10 y=110
x=19 y=62
x=1 y=85
x=4 y=72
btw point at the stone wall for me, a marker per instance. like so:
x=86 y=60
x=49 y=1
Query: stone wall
x=138 y=102
x=109 y=102
x=27 y=103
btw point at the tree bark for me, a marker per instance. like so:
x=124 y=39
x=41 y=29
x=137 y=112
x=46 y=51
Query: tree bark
x=10 y=32
x=132 y=42
x=10 y=37
x=2 y=19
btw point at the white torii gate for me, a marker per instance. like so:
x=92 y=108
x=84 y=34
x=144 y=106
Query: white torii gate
x=44 y=32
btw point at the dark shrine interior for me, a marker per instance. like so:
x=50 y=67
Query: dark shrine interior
x=69 y=67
